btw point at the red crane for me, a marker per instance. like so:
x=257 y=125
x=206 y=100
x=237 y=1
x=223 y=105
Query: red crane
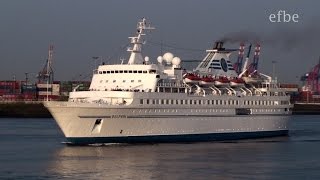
x=254 y=65
x=313 y=78
x=238 y=64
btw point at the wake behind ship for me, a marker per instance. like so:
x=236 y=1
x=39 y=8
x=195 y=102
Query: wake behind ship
x=161 y=102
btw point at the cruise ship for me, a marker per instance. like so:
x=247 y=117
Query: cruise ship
x=152 y=102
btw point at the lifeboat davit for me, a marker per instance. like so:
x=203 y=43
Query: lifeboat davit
x=221 y=81
x=237 y=82
x=207 y=81
x=191 y=78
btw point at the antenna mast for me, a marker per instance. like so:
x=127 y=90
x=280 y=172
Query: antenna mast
x=137 y=41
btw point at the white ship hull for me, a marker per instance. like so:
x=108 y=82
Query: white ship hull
x=151 y=124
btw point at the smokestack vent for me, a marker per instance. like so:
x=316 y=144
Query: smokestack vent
x=219 y=45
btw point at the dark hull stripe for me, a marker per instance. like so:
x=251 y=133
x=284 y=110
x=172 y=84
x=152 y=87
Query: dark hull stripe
x=185 y=115
x=175 y=138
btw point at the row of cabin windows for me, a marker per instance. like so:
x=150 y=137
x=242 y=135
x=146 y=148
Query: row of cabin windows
x=152 y=71
x=209 y=102
x=189 y=102
x=265 y=103
x=124 y=81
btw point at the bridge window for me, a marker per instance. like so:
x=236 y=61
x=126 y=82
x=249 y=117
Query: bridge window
x=120 y=71
x=124 y=81
x=139 y=71
x=130 y=71
x=135 y=71
x=132 y=80
x=114 y=81
x=125 y=71
x=145 y=71
x=116 y=71
x=104 y=72
x=108 y=72
x=139 y=80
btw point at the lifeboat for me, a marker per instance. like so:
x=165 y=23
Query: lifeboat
x=221 y=81
x=207 y=81
x=252 y=80
x=237 y=82
x=191 y=78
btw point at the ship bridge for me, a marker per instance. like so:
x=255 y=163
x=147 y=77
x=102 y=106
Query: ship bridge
x=134 y=77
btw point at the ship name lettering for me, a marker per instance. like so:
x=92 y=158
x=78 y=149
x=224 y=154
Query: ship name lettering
x=118 y=116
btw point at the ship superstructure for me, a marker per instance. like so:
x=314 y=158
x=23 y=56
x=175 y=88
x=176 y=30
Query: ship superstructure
x=143 y=101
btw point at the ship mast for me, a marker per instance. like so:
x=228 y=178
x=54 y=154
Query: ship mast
x=137 y=41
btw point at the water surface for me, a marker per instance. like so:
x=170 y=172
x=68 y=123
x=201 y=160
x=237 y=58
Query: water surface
x=33 y=149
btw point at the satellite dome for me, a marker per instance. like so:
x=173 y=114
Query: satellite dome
x=160 y=59
x=168 y=57
x=146 y=58
x=176 y=61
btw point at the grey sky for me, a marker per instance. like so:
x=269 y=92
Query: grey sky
x=80 y=29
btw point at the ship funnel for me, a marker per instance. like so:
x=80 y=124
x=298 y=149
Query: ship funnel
x=219 y=45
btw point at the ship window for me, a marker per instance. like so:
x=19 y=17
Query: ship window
x=132 y=80
x=190 y=102
x=100 y=72
x=125 y=71
x=114 y=81
x=152 y=71
x=141 y=101
x=124 y=81
x=116 y=71
x=130 y=71
x=139 y=71
x=199 y=102
x=104 y=72
x=139 y=80
x=120 y=71
x=100 y=81
x=135 y=71
x=106 y=81
x=162 y=101
x=172 y=101
x=147 y=101
x=145 y=71
x=153 y=101
x=108 y=72
x=111 y=71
